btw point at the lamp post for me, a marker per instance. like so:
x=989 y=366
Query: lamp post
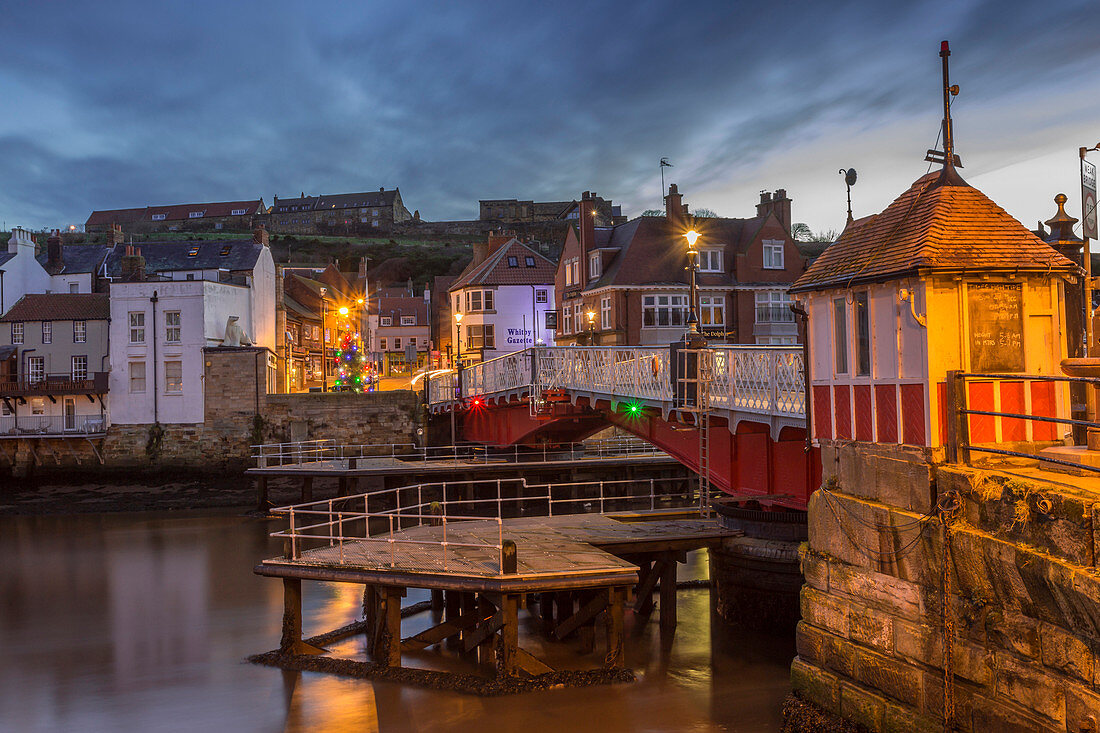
x=324 y=348
x=1086 y=250
x=693 y=334
x=591 y=316
x=458 y=355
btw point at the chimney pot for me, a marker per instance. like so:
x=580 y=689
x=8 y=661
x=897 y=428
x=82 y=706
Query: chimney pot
x=259 y=235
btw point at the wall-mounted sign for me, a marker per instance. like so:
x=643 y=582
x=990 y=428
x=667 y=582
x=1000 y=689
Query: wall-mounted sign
x=1088 y=200
x=551 y=321
x=996 y=313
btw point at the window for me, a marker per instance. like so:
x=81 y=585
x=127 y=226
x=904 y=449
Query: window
x=238 y=212
x=480 y=337
x=568 y=273
x=172 y=327
x=225 y=250
x=328 y=335
x=47 y=332
x=577 y=270
x=80 y=332
x=190 y=276
x=540 y=296
x=74 y=287
x=36 y=369
x=593 y=265
x=193 y=252
x=157 y=217
x=773 y=254
x=382 y=344
x=173 y=376
x=17 y=333
x=513 y=262
x=195 y=214
x=38 y=405
x=710 y=260
x=479 y=300
x=863 y=336
x=408 y=320
x=529 y=261
x=137 y=377
x=567 y=319
x=79 y=368
x=577 y=323
x=664 y=310
x=397 y=343
x=712 y=310
x=605 y=312
x=385 y=321
x=840 y=336
x=773 y=306
x=137 y=327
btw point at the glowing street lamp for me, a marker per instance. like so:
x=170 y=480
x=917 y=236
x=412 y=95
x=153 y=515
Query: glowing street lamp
x=692 y=237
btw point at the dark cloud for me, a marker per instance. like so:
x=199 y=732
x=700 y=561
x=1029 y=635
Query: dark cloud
x=112 y=105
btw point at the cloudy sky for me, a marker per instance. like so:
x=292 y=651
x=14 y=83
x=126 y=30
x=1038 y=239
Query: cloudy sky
x=111 y=104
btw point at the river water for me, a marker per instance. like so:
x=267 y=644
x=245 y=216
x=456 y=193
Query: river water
x=141 y=622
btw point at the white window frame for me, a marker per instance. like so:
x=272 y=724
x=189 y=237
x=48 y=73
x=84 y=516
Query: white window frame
x=80 y=332
x=540 y=296
x=385 y=321
x=171 y=385
x=774 y=306
x=605 y=312
x=382 y=344
x=47 y=332
x=137 y=377
x=593 y=265
x=172 y=330
x=712 y=310
x=238 y=212
x=196 y=214
x=567 y=318
x=665 y=310
x=17 y=333
x=408 y=320
x=578 y=324
x=397 y=343
x=36 y=369
x=710 y=260
x=158 y=217
x=79 y=368
x=137 y=327
x=773 y=254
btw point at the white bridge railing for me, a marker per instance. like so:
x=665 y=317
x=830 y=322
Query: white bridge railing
x=760 y=379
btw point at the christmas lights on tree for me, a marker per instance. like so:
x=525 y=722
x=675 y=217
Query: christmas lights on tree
x=351 y=365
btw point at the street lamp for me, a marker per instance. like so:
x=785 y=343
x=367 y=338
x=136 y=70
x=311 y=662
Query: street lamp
x=1086 y=250
x=692 y=237
x=324 y=340
x=458 y=354
x=591 y=316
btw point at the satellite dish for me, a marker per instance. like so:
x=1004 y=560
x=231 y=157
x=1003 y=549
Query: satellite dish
x=850 y=176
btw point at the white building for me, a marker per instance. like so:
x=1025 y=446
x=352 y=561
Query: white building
x=506 y=299
x=73 y=268
x=20 y=272
x=168 y=301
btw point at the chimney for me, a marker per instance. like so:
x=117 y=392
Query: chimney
x=114 y=236
x=499 y=239
x=781 y=207
x=674 y=205
x=259 y=235
x=587 y=226
x=481 y=251
x=53 y=249
x=132 y=264
x=381 y=189
x=20 y=237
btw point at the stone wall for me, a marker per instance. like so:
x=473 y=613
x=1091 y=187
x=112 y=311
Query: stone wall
x=1023 y=596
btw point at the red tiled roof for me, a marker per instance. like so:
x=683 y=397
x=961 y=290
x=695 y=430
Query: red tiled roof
x=179 y=212
x=114 y=216
x=940 y=223
x=495 y=270
x=59 y=307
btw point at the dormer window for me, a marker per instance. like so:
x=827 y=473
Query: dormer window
x=193 y=252
x=238 y=212
x=385 y=321
x=408 y=320
x=593 y=265
x=157 y=217
x=710 y=260
x=196 y=214
x=513 y=262
x=529 y=261
x=225 y=250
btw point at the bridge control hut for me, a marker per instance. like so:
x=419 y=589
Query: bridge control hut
x=943 y=279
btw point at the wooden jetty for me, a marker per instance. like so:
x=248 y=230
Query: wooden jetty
x=571 y=570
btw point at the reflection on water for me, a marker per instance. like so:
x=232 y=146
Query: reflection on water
x=141 y=622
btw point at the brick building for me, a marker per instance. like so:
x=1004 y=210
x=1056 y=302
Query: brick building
x=628 y=284
x=342 y=213
x=515 y=211
x=399 y=331
x=234 y=216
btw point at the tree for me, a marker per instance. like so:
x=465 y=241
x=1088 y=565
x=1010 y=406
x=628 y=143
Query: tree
x=653 y=212
x=705 y=213
x=351 y=363
x=801 y=232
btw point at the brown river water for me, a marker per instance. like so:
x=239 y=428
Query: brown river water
x=142 y=622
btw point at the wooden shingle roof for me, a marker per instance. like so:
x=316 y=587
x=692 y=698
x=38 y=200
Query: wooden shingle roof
x=940 y=223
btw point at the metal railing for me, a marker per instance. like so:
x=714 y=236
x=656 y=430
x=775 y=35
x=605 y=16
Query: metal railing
x=337 y=522
x=54 y=384
x=763 y=379
x=1005 y=426
x=24 y=426
x=774 y=314
x=315 y=451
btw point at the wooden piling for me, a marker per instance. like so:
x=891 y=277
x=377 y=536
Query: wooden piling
x=509 y=637
x=388 y=653
x=668 y=594
x=342 y=486
x=307 y=489
x=292 y=615
x=616 y=601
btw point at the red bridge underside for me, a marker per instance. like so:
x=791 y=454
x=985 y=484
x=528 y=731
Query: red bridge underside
x=746 y=463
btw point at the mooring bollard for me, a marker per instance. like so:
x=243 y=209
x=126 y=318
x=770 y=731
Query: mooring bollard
x=508 y=560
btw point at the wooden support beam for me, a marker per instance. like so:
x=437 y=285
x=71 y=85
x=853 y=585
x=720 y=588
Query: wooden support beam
x=614 y=620
x=648 y=575
x=668 y=594
x=546 y=611
x=291 y=642
x=506 y=665
x=531 y=664
x=484 y=630
x=588 y=611
x=370 y=614
x=389 y=641
x=440 y=632
x=452 y=609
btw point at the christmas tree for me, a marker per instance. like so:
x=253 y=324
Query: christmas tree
x=351 y=363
